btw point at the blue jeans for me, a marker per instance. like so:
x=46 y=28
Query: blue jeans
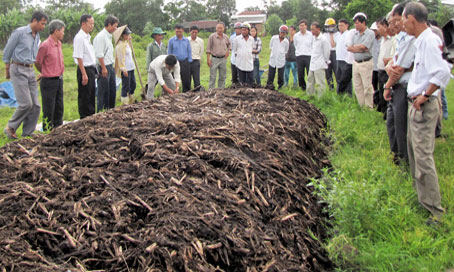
x=290 y=65
x=257 y=71
x=444 y=104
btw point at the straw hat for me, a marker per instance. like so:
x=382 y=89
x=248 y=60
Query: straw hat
x=117 y=33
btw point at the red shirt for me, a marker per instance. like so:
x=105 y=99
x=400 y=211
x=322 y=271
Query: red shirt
x=50 y=57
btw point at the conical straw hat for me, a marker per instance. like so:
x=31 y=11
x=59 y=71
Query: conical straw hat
x=117 y=33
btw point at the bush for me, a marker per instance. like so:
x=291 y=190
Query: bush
x=272 y=24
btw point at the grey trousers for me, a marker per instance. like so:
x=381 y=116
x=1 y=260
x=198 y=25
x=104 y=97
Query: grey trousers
x=26 y=91
x=220 y=65
x=396 y=121
x=421 y=145
x=153 y=81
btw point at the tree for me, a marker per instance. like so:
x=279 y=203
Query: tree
x=272 y=24
x=373 y=9
x=185 y=10
x=256 y=8
x=137 y=13
x=77 y=5
x=221 y=10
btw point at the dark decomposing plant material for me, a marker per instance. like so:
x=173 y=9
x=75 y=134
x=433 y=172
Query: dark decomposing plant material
x=206 y=181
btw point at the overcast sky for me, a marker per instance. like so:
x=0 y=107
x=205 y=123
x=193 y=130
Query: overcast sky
x=240 y=4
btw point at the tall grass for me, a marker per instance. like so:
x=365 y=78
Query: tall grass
x=377 y=223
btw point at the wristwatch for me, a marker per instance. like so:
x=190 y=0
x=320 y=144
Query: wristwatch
x=426 y=95
x=390 y=88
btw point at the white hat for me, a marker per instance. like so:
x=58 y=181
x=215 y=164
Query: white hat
x=359 y=14
x=374 y=26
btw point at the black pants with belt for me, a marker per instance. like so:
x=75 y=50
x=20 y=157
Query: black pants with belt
x=185 y=74
x=271 y=75
x=382 y=79
x=86 y=93
x=107 y=89
x=195 y=72
x=396 y=121
x=303 y=63
x=344 y=84
x=52 y=100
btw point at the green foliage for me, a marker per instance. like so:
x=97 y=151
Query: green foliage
x=292 y=22
x=373 y=9
x=8 y=5
x=186 y=10
x=272 y=24
x=221 y=10
x=9 y=21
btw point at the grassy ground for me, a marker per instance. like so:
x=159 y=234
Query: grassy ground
x=377 y=223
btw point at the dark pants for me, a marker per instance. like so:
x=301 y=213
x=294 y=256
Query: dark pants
x=235 y=73
x=257 y=71
x=344 y=83
x=185 y=74
x=52 y=97
x=396 y=121
x=86 y=94
x=375 y=80
x=332 y=69
x=303 y=63
x=107 y=89
x=246 y=77
x=382 y=79
x=195 y=72
x=280 y=76
x=128 y=84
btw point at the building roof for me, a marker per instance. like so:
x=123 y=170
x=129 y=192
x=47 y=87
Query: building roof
x=201 y=24
x=259 y=12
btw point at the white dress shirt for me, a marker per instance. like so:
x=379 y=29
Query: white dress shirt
x=83 y=49
x=303 y=43
x=197 y=48
x=278 y=50
x=341 y=48
x=350 y=59
x=103 y=46
x=129 y=60
x=320 y=53
x=429 y=66
x=385 y=52
x=158 y=67
x=243 y=53
x=335 y=38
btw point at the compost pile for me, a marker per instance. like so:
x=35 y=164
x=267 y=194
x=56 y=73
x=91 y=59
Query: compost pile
x=208 y=181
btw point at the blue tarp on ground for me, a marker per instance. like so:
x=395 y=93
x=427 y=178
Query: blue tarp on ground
x=7 y=96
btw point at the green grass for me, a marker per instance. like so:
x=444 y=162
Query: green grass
x=377 y=223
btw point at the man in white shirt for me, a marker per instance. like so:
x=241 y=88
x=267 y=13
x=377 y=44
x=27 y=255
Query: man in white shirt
x=160 y=71
x=279 y=47
x=319 y=62
x=430 y=74
x=84 y=57
x=233 y=68
x=384 y=56
x=104 y=51
x=375 y=50
x=344 y=68
x=244 y=60
x=332 y=35
x=197 y=48
x=303 y=48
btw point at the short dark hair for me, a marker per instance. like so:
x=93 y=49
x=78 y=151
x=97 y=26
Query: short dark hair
x=360 y=18
x=194 y=27
x=110 y=20
x=38 y=16
x=398 y=9
x=418 y=10
x=171 y=60
x=344 y=21
x=316 y=24
x=382 y=21
x=303 y=21
x=84 y=18
x=178 y=26
x=294 y=27
x=220 y=23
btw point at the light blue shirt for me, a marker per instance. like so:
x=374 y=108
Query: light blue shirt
x=405 y=54
x=22 y=46
x=180 y=48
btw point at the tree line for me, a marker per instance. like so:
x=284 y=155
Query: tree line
x=143 y=15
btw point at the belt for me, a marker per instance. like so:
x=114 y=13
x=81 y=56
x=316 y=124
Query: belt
x=92 y=67
x=363 y=60
x=218 y=57
x=53 y=78
x=23 y=64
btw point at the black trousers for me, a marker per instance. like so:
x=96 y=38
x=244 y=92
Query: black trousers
x=396 y=121
x=128 y=84
x=52 y=100
x=235 y=73
x=246 y=77
x=382 y=79
x=344 y=84
x=195 y=72
x=272 y=73
x=185 y=74
x=107 y=89
x=86 y=94
x=303 y=63
x=332 y=69
x=375 y=80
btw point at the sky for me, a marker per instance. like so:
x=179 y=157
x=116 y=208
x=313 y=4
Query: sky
x=240 y=4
